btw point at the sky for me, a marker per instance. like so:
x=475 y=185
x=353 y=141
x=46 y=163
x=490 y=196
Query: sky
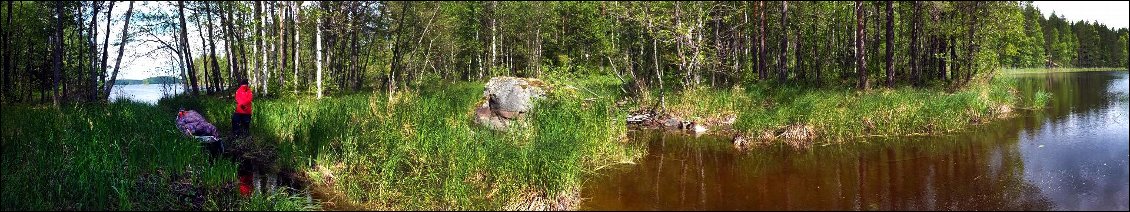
x=1114 y=14
x=140 y=61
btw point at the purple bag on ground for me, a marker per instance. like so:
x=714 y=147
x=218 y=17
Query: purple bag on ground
x=192 y=123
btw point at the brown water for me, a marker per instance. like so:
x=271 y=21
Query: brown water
x=1070 y=156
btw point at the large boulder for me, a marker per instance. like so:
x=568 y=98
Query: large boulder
x=514 y=94
x=506 y=99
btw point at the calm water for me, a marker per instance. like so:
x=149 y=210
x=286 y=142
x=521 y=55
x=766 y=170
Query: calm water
x=1069 y=156
x=148 y=93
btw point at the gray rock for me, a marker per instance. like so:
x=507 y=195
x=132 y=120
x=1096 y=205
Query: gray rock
x=506 y=99
x=484 y=116
x=514 y=94
x=673 y=123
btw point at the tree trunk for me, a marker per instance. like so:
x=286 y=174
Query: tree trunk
x=890 y=45
x=655 y=59
x=493 y=35
x=971 y=47
x=256 y=50
x=280 y=46
x=784 y=59
x=396 y=52
x=860 y=52
x=952 y=61
x=915 y=72
x=243 y=60
x=121 y=50
x=216 y=81
x=353 y=66
x=747 y=40
x=226 y=22
x=92 y=82
x=186 y=50
x=105 y=48
x=296 y=32
x=761 y=72
x=261 y=64
x=8 y=55
x=318 y=52
x=680 y=40
x=207 y=81
x=57 y=54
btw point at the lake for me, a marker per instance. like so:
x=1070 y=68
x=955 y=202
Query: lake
x=148 y=93
x=1072 y=155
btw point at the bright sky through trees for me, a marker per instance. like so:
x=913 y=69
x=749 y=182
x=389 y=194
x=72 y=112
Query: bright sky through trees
x=1115 y=14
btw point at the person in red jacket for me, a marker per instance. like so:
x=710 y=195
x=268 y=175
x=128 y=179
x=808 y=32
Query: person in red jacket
x=241 y=119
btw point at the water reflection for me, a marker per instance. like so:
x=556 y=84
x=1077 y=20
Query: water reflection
x=1081 y=165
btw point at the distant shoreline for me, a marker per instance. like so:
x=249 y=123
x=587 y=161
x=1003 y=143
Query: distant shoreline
x=158 y=80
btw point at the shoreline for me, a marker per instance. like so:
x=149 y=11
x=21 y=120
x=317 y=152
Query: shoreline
x=800 y=117
x=1057 y=70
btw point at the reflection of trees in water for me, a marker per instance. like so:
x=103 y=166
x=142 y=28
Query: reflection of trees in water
x=979 y=172
x=1071 y=92
x=1085 y=121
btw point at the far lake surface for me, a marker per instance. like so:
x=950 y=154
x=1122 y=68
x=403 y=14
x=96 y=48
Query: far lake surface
x=148 y=93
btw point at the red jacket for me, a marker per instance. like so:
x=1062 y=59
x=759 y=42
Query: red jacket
x=243 y=100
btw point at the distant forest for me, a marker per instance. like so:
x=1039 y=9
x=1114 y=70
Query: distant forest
x=151 y=80
x=53 y=50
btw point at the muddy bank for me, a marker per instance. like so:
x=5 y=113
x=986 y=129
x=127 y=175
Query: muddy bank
x=649 y=119
x=796 y=135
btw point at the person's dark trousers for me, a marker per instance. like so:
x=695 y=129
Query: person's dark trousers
x=240 y=124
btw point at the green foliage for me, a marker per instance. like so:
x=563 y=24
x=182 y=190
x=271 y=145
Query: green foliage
x=278 y=200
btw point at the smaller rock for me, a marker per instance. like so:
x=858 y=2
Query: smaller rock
x=740 y=142
x=485 y=117
x=640 y=118
x=798 y=136
x=508 y=114
x=672 y=123
x=768 y=135
x=697 y=128
x=1003 y=111
x=798 y=132
x=730 y=119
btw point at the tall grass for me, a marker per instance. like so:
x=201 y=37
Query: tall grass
x=840 y=114
x=119 y=156
x=418 y=150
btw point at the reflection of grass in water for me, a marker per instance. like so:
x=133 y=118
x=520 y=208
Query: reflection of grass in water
x=279 y=200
